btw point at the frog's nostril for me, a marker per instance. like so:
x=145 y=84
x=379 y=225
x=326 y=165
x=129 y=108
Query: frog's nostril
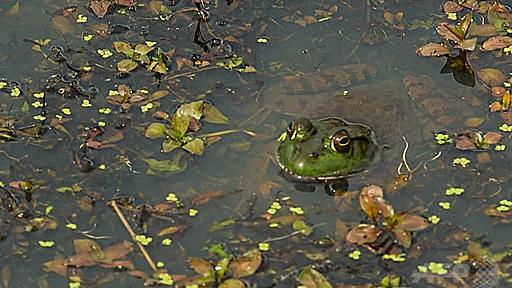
x=314 y=155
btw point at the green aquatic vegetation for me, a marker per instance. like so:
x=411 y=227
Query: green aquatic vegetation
x=184 y=122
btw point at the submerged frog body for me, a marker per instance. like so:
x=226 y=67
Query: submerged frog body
x=390 y=108
x=325 y=149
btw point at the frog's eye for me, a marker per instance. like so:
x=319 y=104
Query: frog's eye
x=340 y=141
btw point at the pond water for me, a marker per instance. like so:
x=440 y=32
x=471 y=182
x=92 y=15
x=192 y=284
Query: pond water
x=66 y=155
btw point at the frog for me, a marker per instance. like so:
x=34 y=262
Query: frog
x=325 y=149
x=379 y=113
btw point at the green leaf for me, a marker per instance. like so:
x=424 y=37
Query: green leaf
x=143 y=49
x=156 y=130
x=123 y=47
x=181 y=118
x=169 y=145
x=170 y=166
x=213 y=115
x=311 y=278
x=25 y=107
x=126 y=65
x=196 y=146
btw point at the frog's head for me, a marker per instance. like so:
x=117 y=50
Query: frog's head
x=325 y=149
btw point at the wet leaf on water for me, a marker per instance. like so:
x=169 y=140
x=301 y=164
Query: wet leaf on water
x=367 y=200
x=126 y=3
x=432 y=49
x=159 y=94
x=100 y=7
x=62 y=24
x=201 y=266
x=205 y=197
x=468 y=44
x=496 y=42
x=484 y=30
x=123 y=47
x=474 y=122
x=126 y=65
x=403 y=236
x=85 y=246
x=311 y=278
x=118 y=251
x=363 y=234
x=491 y=76
x=246 y=264
x=169 y=145
x=492 y=137
x=156 y=131
x=505 y=101
x=196 y=146
x=412 y=222
x=213 y=115
x=169 y=166
x=56 y=265
x=451 y=7
x=232 y=283
x=172 y=230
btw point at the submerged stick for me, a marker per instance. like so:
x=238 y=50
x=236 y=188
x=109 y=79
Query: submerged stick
x=132 y=234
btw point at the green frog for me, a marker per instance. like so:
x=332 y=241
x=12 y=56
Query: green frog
x=315 y=148
x=325 y=149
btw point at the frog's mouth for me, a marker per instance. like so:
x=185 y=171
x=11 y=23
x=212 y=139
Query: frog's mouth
x=294 y=177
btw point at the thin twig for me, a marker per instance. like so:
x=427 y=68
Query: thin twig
x=132 y=234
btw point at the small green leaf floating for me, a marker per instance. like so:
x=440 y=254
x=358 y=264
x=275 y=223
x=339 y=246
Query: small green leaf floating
x=311 y=278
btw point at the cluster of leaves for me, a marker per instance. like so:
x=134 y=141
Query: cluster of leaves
x=372 y=202
x=186 y=119
x=100 y=7
x=154 y=59
x=471 y=139
x=227 y=271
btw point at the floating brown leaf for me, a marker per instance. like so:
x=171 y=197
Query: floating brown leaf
x=118 y=251
x=412 y=222
x=232 y=283
x=100 y=7
x=201 y=266
x=432 y=49
x=491 y=76
x=451 y=7
x=246 y=264
x=363 y=234
x=205 y=197
x=403 y=236
x=496 y=42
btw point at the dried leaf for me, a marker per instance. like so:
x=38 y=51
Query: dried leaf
x=172 y=230
x=205 y=197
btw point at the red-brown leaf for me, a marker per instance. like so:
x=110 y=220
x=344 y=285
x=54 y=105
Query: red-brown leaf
x=432 y=49
x=246 y=264
x=412 y=222
x=497 y=42
x=363 y=234
x=100 y=7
